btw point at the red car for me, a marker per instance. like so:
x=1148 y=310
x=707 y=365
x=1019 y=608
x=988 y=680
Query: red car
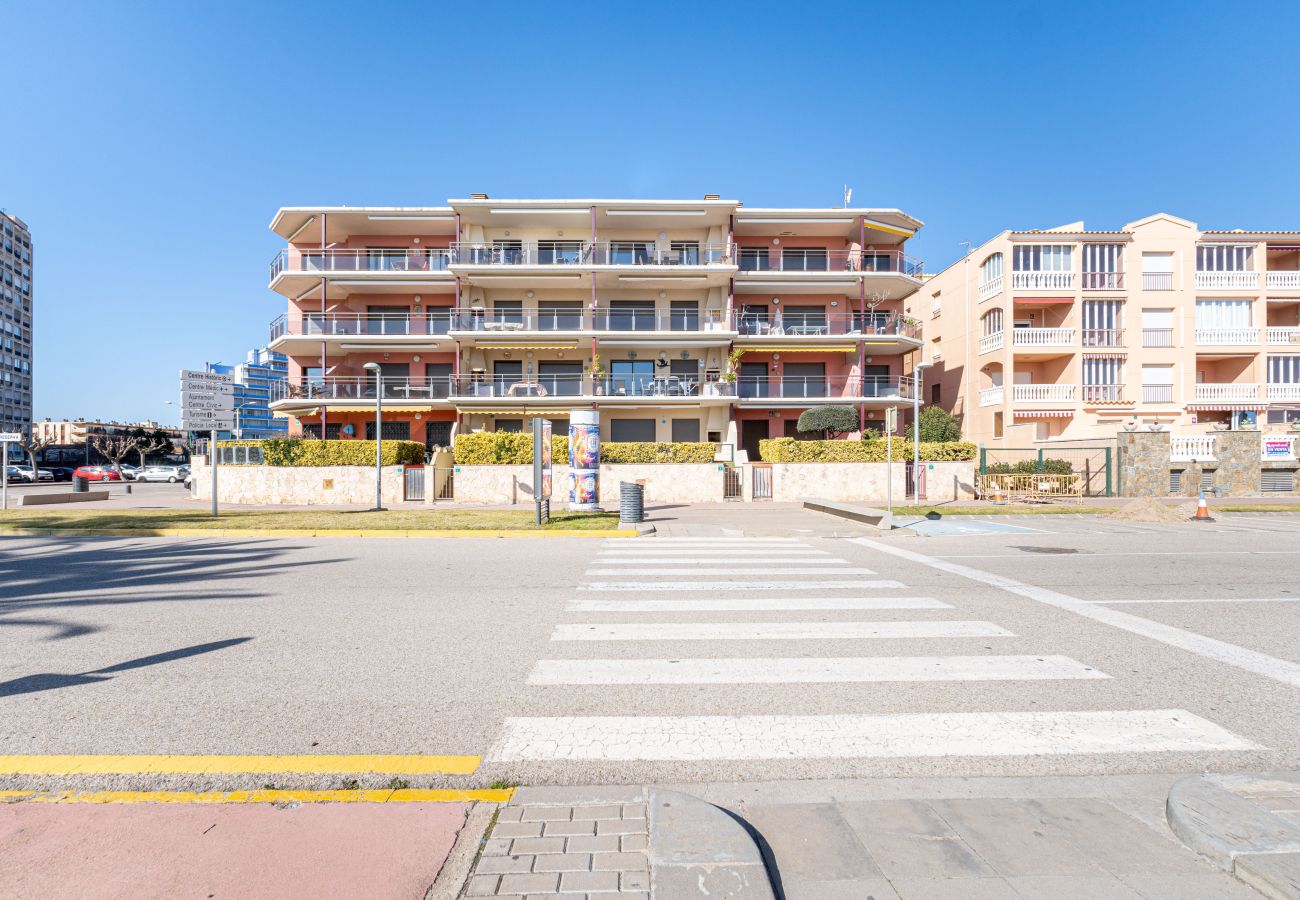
x=97 y=473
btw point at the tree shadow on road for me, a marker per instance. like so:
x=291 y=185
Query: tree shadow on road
x=48 y=681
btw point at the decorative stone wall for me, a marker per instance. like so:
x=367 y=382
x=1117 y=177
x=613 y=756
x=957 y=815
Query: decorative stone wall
x=1144 y=463
x=1236 y=454
x=296 y=486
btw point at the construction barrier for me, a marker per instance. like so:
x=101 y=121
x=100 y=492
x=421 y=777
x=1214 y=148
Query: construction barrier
x=1039 y=487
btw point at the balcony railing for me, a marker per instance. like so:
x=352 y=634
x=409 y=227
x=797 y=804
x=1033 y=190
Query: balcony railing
x=1226 y=392
x=646 y=319
x=1283 y=391
x=1157 y=281
x=1282 y=334
x=827 y=387
x=991 y=342
x=1042 y=281
x=1185 y=448
x=1157 y=393
x=991 y=396
x=1103 y=337
x=1103 y=393
x=1042 y=337
x=434 y=322
x=359 y=387
x=1219 y=336
x=797 y=259
x=1231 y=280
x=1289 y=280
x=1157 y=337
x=587 y=253
x=1103 y=281
x=484 y=386
x=792 y=322
x=1035 y=393
x=990 y=288
x=413 y=260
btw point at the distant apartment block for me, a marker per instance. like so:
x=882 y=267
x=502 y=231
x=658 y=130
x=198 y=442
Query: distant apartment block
x=679 y=320
x=15 y=324
x=70 y=432
x=1071 y=334
x=257 y=379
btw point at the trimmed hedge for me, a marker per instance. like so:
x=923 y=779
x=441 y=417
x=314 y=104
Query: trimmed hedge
x=1051 y=466
x=505 y=448
x=299 y=453
x=789 y=450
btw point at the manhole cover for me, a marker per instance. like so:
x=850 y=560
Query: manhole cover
x=1048 y=549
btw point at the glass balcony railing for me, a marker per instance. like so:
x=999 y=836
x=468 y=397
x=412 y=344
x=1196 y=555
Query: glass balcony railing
x=588 y=253
x=796 y=322
x=800 y=259
x=359 y=261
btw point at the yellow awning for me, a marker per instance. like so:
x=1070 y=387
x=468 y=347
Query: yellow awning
x=799 y=348
x=878 y=226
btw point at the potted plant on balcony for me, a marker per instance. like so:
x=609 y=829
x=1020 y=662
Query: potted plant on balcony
x=733 y=366
x=598 y=375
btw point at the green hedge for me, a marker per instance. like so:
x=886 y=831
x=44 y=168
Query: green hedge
x=1051 y=466
x=504 y=448
x=294 y=452
x=789 y=450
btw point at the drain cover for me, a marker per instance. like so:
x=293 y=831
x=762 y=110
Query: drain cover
x=1048 y=549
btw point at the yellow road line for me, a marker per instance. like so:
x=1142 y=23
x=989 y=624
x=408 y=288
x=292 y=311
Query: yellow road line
x=310 y=532
x=386 y=795
x=236 y=765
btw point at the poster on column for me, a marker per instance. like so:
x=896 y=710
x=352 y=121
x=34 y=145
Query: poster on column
x=584 y=459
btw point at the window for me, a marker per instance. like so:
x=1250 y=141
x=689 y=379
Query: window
x=936 y=393
x=804 y=259
x=513 y=426
x=1157 y=271
x=631 y=315
x=630 y=377
x=685 y=315
x=804 y=320
x=992 y=322
x=631 y=430
x=1103 y=379
x=1157 y=384
x=1042 y=258
x=386 y=319
x=1222 y=314
x=393 y=431
x=555 y=315
x=754 y=259
x=1225 y=258
x=686 y=430
x=685 y=253
x=1157 y=328
x=754 y=319
x=991 y=269
x=550 y=252
x=1284 y=370
x=997 y=424
x=630 y=253
x=1102 y=323
x=1102 y=266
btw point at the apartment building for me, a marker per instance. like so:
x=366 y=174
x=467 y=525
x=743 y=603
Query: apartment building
x=679 y=320
x=15 y=324
x=1068 y=334
x=69 y=432
x=256 y=379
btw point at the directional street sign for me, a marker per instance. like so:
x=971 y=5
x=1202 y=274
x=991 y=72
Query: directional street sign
x=207 y=401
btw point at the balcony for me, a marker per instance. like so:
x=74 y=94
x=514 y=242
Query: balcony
x=805 y=390
x=359 y=261
x=1283 y=280
x=992 y=396
x=1042 y=337
x=1227 y=280
x=1283 y=392
x=990 y=288
x=1103 y=281
x=1157 y=337
x=361 y=389
x=991 y=342
x=790 y=322
x=1103 y=393
x=1103 y=337
x=1276 y=334
x=583 y=254
x=1042 y=281
x=1211 y=337
x=796 y=259
x=1228 y=393
x=496 y=390
x=1157 y=281
x=1157 y=393
x=1042 y=393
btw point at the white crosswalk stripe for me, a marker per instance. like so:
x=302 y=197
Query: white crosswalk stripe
x=732 y=570
x=772 y=631
x=649 y=561
x=756 y=604
x=679 y=586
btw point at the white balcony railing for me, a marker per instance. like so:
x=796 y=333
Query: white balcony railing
x=1213 y=336
x=990 y=288
x=1157 y=393
x=1042 y=393
x=1276 y=334
x=991 y=342
x=1232 y=280
x=1191 y=447
x=1042 y=337
x=991 y=396
x=1227 y=392
x=1157 y=281
x=1283 y=280
x=1284 y=392
x=1042 y=281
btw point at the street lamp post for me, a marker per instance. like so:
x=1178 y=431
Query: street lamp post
x=375 y=369
x=916 y=429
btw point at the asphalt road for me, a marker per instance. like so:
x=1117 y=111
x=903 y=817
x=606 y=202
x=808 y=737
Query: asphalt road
x=707 y=657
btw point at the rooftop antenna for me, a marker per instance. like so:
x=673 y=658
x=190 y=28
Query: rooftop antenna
x=848 y=196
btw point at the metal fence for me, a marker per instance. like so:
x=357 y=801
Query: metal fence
x=1095 y=464
x=413 y=483
x=762 y=482
x=731 y=488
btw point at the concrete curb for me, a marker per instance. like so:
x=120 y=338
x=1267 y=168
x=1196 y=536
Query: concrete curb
x=855 y=512
x=313 y=532
x=1210 y=815
x=697 y=850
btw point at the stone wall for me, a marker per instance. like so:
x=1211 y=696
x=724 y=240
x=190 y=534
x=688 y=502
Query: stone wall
x=1237 y=463
x=664 y=483
x=1144 y=463
x=295 y=486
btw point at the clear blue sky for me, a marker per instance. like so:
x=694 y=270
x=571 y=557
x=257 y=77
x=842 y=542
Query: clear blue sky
x=148 y=145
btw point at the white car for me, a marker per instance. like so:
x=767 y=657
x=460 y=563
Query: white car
x=27 y=475
x=129 y=473
x=170 y=474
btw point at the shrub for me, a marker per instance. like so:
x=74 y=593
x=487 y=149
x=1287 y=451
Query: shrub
x=831 y=421
x=657 y=452
x=295 y=452
x=937 y=425
x=788 y=450
x=1030 y=467
x=481 y=448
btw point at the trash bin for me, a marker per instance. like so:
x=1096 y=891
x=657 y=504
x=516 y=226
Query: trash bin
x=80 y=484
x=631 y=502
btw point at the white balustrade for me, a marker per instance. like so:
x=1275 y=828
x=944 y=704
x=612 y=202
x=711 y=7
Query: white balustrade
x=1231 y=280
x=1042 y=281
x=1283 y=280
x=1284 y=392
x=1211 y=336
x=990 y=288
x=1226 y=392
x=1042 y=337
x=991 y=342
x=1184 y=448
x=1277 y=334
x=991 y=396
x=1040 y=393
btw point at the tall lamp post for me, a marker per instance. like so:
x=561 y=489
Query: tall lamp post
x=376 y=370
x=916 y=429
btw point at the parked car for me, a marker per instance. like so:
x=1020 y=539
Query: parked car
x=13 y=473
x=61 y=473
x=171 y=474
x=129 y=472
x=32 y=476
x=97 y=473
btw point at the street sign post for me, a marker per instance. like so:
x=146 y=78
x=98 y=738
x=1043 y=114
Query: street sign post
x=208 y=404
x=5 y=438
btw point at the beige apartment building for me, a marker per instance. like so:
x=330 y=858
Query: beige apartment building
x=1068 y=334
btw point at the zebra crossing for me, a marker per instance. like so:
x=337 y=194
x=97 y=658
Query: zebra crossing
x=660 y=591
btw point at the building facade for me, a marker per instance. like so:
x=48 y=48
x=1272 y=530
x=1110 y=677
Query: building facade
x=257 y=379
x=16 y=357
x=1070 y=334
x=69 y=432
x=677 y=320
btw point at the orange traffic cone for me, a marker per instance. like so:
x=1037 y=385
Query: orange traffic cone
x=1202 y=511
x=999 y=498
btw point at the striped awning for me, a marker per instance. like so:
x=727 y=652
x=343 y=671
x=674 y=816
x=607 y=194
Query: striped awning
x=1228 y=407
x=799 y=348
x=1090 y=355
x=1043 y=413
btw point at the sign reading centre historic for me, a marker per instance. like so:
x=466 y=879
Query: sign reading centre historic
x=207 y=401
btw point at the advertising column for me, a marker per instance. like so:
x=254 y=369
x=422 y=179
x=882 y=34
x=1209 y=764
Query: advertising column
x=584 y=460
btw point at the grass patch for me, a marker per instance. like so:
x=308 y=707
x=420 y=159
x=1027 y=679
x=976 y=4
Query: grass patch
x=389 y=520
x=503 y=784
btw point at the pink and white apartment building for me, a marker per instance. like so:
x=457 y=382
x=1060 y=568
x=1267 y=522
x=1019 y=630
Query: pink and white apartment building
x=679 y=320
x=1069 y=334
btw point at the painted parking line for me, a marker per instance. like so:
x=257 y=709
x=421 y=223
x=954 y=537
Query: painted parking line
x=772 y=631
x=695 y=738
x=952 y=528
x=714 y=541
x=172 y=764
x=761 y=569
x=809 y=670
x=757 y=604
x=384 y=795
x=1201 y=600
x=679 y=586
x=707 y=552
